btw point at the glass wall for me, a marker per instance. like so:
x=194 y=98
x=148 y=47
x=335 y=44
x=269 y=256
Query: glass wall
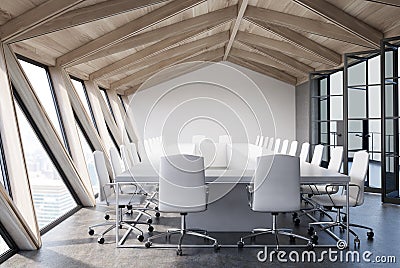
x=51 y=197
x=82 y=93
x=3 y=246
x=107 y=101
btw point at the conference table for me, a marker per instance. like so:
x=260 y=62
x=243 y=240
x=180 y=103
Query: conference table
x=228 y=209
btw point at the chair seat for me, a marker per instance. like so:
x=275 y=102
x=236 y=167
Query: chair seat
x=318 y=189
x=333 y=200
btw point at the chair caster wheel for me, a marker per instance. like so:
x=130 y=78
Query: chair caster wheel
x=356 y=242
x=314 y=238
x=140 y=238
x=310 y=246
x=344 y=218
x=216 y=246
x=147 y=244
x=149 y=221
x=158 y=214
x=179 y=252
x=310 y=230
x=106 y=217
x=150 y=229
x=292 y=239
x=294 y=215
x=370 y=235
x=91 y=232
x=156 y=208
x=100 y=240
x=296 y=221
x=240 y=244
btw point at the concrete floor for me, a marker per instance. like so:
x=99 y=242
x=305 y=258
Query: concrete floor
x=69 y=245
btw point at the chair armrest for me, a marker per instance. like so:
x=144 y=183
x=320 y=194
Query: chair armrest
x=207 y=193
x=250 y=192
x=111 y=186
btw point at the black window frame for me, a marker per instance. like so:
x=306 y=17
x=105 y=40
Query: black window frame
x=108 y=102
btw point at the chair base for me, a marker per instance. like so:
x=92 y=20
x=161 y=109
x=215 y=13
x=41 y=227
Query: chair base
x=183 y=231
x=275 y=231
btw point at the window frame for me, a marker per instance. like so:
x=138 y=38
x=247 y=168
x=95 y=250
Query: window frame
x=108 y=102
x=13 y=248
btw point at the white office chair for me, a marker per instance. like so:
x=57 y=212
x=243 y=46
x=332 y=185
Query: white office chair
x=293 y=148
x=317 y=155
x=276 y=189
x=133 y=153
x=196 y=140
x=277 y=145
x=224 y=139
x=305 y=148
x=107 y=196
x=265 y=144
x=261 y=141
x=357 y=175
x=284 y=148
x=270 y=146
x=126 y=157
x=116 y=162
x=182 y=190
x=257 y=140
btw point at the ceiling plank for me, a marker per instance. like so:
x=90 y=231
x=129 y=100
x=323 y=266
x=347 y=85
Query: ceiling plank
x=282 y=58
x=301 y=41
x=197 y=62
x=127 y=30
x=395 y=3
x=200 y=22
x=172 y=55
x=277 y=45
x=265 y=70
x=35 y=17
x=243 y=5
x=264 y=59
x=303 y=24
x=86 y=14
x=344 y=20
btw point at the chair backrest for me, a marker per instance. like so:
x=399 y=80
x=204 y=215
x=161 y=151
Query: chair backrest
x=196 y=140
x=277 y=184
x=293 y=148
x=317 y=155
x=182 y=184
x=277 y=145
x=126 y=157
x=116 y=162
x=305 y=148
x=261 y=141
x=225 y=139
x=257 y=140
x=265 y=144
x=357 y=175
x=102 y=174
x=270 y=144
x=335 y=163
x=132 y=149
x=284 y=148
x=147 y=146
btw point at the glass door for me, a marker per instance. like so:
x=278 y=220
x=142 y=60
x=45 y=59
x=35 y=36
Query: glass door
x=390 y=124
x=363 y=112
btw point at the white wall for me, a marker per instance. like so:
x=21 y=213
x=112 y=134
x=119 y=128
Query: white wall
x=221 y=98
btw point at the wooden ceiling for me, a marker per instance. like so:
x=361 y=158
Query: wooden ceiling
x=121 y=43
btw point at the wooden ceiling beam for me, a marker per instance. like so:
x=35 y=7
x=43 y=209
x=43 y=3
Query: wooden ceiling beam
x=303 y=24
x=199 y=22
x=174 y=54
x=281 y=58
x=265 y=59
x=343 y=20
x=301 y=41
x=198 y=61
x=395 y=3
x=34 y=18
x=243 y=5
x=277 y=45
x=86 y=14
x=127 y=30
x=265 y=70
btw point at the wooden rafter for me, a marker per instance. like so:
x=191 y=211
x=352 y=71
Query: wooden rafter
x=186 y=26
x=301 y=41
x=266 y=70
x=344 y=20
x=282 y=58
x=277 y=45
x=197 y=61
x=127 y=30
x=172 y=55
x=86 y=14
x=395 y=3
x=305 y=25
x=243 y=5
x=35 y=17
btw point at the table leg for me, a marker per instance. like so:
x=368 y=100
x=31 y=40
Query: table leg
x=348 y=214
